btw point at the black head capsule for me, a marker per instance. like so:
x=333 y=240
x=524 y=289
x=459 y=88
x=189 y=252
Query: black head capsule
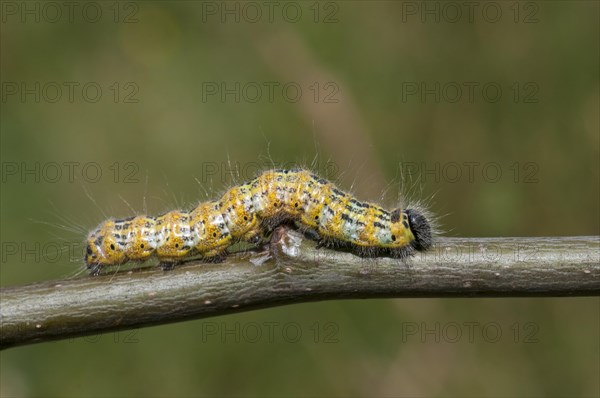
x=88 y=253
x=420 y=228
x=91 y=261
x=90 y=258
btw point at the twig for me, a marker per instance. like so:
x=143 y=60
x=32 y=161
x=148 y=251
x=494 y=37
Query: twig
x=295 y=273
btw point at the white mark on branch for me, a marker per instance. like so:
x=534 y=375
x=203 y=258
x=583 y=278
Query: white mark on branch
x=290 y=244
x=261 y=259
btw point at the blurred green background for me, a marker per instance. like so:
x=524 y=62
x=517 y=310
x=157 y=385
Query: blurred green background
x=370 y=88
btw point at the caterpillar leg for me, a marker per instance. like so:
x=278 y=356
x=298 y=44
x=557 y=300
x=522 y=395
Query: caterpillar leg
x=216 y=259
x=258 y=239
x=95 y=269
x=321 y=243
x=310 y=233
x=168 y=265
x=210 y=258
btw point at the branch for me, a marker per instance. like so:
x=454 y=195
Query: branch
x=296 y=272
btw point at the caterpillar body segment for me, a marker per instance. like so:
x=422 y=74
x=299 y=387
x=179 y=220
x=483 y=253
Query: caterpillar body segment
x=249 y=211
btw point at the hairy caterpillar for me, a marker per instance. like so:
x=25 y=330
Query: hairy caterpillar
x=250 y=211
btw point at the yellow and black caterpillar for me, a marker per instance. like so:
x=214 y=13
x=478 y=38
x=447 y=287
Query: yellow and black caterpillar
x=250 y=211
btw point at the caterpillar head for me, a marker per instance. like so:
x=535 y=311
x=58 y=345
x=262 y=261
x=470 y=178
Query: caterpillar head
x=413 y=226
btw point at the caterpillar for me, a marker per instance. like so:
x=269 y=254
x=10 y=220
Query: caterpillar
x=249 y=212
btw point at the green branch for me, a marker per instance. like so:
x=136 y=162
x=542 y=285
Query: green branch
x=294 y=271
